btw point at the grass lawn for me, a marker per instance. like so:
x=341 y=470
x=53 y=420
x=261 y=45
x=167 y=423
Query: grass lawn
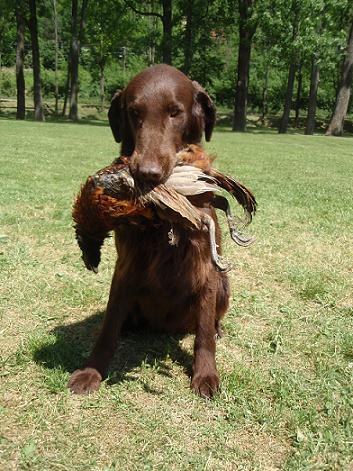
x=285 y=363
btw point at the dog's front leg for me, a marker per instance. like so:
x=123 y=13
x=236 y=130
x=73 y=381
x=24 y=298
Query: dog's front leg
x=87 y=380
x=205 y=380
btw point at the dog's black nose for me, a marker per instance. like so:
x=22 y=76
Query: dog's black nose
x=149 y=174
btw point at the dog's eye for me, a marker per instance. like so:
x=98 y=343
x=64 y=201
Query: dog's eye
x=175 y=112
x=135 y=112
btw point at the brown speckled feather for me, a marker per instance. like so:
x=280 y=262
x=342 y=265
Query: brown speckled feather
x=110 y=198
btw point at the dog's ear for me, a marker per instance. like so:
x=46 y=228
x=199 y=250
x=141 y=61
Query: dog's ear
x=208 y=109
x=116 y=116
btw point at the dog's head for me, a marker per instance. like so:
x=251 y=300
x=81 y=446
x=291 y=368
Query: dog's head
x=155 y=116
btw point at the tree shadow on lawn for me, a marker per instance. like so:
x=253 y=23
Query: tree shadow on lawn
x=73 y=344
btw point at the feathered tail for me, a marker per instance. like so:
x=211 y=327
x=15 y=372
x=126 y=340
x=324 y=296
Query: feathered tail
x=240 y=192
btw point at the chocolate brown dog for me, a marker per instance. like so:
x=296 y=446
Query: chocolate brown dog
x=175 y=289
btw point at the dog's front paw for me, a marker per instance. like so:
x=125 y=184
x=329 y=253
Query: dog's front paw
x=205 y=383
x=84 y=381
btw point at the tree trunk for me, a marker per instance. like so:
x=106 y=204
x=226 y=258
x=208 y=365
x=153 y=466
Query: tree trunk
x=56 y=57
x=292 y=69
x=151 y=54
x=67 y=86
x=124 y=63
x=75 y=55
x=265 y=95
x=101 y=88
x=153 y=26
x=188 y=46
x=337 y=121
x=167 y=22
x=101 y=83
x=74 y=60
x=167 y=31
x=37 y=91
x=314 y=85
x=20 y=78
x=246 y=33
x=298 y=97
x=288 y=101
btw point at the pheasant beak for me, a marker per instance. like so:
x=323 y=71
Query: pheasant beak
x=89 y=265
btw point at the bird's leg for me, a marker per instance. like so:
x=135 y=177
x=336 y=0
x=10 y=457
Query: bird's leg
x=220 y=202
x=211 y=228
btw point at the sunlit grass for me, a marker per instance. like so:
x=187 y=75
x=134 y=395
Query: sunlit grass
x=286 y=360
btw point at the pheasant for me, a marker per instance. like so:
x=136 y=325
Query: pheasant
x=110 y=198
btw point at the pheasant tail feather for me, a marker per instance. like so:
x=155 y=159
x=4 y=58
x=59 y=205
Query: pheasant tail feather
x=240 y=192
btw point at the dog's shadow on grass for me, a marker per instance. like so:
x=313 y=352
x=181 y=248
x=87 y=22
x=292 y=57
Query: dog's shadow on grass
x=71 y=344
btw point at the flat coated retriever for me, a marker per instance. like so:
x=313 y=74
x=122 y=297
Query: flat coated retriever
x=174 y=289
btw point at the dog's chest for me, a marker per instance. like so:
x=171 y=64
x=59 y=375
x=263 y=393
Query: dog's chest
x=166 y=260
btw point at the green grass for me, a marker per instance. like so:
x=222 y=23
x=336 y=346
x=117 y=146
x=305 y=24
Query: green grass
x=286 y=360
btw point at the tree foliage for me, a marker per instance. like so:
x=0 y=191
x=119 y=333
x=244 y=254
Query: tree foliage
x=294 y=59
